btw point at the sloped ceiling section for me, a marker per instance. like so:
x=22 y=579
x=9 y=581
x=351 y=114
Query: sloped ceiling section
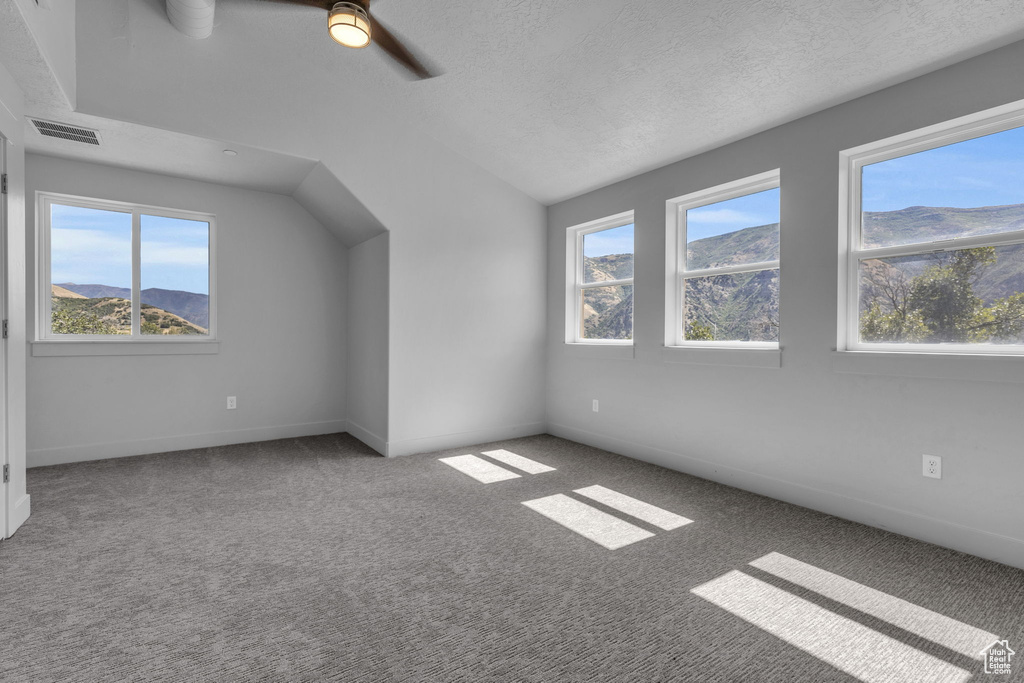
x=154 y=150
x=337 y=209
x=23 y=58
x=554 y=97
x=52 y=25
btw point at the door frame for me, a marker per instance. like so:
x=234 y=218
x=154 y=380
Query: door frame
x=5 y=530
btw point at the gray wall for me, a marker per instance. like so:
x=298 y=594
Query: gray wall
x=849 y=443
x=281 y=281
x=467 y=303
x=368 y=342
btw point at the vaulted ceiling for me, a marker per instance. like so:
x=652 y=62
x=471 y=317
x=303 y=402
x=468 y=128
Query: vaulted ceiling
x=556 y=97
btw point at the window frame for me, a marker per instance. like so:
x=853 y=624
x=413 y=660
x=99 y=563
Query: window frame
x=675 y=257
x=851 y=163
x=43 y=331
x=574 y=278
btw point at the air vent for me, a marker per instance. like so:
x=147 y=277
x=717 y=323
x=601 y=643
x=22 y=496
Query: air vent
x=66 y=132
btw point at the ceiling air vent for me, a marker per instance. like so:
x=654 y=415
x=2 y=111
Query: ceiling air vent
x=66 y=132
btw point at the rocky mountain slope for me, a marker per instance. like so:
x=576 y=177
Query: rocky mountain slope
x=195 y=308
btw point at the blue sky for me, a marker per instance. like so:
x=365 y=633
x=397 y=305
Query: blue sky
x=94 y=247
x=175 y=254
x=760 y=208
x=614 y=241
x=985 y=171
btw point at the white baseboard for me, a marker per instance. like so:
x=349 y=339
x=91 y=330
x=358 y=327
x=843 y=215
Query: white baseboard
x=997 y=547
x=443 y=441
x=374 y=441
x=18 y=513
x=120 y=449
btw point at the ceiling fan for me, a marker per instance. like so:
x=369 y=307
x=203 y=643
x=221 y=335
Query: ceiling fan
x=352 y=25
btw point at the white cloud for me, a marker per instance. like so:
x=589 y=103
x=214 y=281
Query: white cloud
x=721 y=216
x=94 y=246
x=90 y=257
x=171 y=254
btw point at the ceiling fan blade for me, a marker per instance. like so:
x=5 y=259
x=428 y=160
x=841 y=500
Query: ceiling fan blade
x=396 y=50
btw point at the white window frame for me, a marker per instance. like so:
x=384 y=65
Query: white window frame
x=44 y=333
x=677 y=271
x=851 y=162
x=574 y=277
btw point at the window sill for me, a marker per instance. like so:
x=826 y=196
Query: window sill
x=973 y=367
x=130 y=348
x=744 y=358
x=603 y=351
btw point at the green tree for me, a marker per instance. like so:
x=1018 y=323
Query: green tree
x=1003 y=321
x=939 y=305
x=78 y=322
x=697 y=332
x=944 y=295
x=894 y=326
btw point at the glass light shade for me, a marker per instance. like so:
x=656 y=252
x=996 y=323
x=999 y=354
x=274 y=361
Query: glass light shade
x=349 y=25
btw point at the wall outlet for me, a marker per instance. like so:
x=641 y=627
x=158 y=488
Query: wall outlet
x=232 y=403
x=595 y=405
x=931 y=466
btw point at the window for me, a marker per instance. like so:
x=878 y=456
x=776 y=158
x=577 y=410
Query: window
x=115 y=271
x=599 y=299
x=722 y=288
x=935 y=241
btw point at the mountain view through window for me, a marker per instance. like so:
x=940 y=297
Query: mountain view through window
x=91 y=273
x=607 y=311
x=740 y=234
x=926 y=295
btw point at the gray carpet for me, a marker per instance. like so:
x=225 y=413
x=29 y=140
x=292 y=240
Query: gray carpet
x=314 y=559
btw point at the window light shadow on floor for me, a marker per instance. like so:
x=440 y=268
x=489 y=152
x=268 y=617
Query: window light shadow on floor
x=487 y=472
x=848 y=645
x=478 y=468
x=587 y=521
x=599 y=526
x=519 y=462
x=663 y=519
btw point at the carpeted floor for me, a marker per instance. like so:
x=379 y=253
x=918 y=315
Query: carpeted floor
x=313 y=559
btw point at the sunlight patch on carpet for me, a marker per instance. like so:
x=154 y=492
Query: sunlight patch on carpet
x=589 y=522
x=636 y=508
x=852 y=647
x=518 y=461
x=478 y=468
x=938 y=628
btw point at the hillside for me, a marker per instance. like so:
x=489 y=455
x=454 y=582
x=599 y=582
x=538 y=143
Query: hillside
x=608 y=311
x=740 y=306
x=195 y=308
x=74 y=313
x=57 y=290
x=930 y=223
x=745 y=306
x=750 y=245
x=610 y=267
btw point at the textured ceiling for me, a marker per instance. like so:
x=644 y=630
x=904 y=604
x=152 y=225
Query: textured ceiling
x=132 y=145
x=556 y=97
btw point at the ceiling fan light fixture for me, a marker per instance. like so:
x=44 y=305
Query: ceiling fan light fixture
x=349 y=24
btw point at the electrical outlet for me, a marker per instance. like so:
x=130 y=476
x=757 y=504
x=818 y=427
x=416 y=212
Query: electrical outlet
x=232 y=403
x=932 y=466
x=595 y=405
